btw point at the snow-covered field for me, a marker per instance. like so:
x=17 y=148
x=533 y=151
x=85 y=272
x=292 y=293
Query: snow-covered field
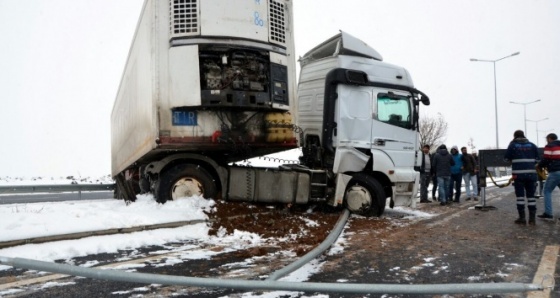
x=20 y=221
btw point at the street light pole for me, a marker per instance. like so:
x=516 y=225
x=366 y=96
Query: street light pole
x=495 y=89
x=537 y=127
x=525 y=110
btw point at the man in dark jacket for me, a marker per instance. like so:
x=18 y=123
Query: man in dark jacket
x=456 y=175
x=523 y=156
x=425 y=174
x=470 y=168
x=551 y=162
x=442 y=167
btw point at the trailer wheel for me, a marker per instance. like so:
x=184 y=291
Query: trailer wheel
x=185 y=180
x=365 y=196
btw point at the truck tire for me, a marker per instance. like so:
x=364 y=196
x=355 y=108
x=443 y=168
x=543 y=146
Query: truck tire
x=185 y=180
x=365 y=196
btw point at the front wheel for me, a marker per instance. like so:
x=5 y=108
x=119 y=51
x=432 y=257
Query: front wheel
x=185 y=180
x=365 y=196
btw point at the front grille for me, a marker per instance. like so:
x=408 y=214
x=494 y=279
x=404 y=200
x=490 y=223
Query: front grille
x=277 y=22
x=183 y=19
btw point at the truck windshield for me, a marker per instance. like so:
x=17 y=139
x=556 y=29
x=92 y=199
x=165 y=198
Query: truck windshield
x=394 y=109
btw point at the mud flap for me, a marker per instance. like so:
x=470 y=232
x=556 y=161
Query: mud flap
x=124 y=189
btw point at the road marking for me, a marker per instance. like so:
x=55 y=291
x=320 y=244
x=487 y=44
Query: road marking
x=545 y=272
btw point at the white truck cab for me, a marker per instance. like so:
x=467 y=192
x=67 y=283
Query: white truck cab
x=359 y=116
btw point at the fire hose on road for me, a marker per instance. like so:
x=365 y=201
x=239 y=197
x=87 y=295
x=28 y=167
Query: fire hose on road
x=271 y=283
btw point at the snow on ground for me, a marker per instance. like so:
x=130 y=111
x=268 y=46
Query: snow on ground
x=19 y=221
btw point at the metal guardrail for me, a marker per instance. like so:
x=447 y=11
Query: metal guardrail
x=19 y=189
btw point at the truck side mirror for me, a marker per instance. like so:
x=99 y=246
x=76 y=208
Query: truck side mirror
x=424 y=99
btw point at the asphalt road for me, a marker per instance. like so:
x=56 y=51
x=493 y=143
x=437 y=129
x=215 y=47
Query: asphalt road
x=462 y=244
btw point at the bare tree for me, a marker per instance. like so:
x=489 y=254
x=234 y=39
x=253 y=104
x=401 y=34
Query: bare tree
x=471 y=145
x=433 y=130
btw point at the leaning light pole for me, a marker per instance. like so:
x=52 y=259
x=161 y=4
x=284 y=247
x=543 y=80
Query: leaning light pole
x=537 y=127
x=495 y=89
x=525 y=110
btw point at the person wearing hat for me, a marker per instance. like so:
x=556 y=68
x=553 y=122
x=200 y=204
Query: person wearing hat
x=442 y=167
x=456 y=175
x=550 y=162
x=523 y=156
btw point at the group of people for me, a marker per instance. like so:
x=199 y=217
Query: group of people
x=525 y=161
x=447 y=171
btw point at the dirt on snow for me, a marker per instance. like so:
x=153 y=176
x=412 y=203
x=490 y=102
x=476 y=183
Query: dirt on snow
x=307 y=226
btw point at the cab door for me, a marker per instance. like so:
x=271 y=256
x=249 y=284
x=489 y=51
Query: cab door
x=353 y=114
x=392 y=129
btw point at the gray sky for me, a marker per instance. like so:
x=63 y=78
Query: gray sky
x=61 y=62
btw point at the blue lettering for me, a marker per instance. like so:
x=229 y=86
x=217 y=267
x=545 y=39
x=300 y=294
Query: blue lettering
x=258 y=21
x=184 y=118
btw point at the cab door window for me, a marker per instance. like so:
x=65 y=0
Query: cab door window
x=394 y=109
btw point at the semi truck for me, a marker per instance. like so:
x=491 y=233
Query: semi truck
x=209 y=83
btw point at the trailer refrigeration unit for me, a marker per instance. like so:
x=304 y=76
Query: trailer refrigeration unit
x=212 y=82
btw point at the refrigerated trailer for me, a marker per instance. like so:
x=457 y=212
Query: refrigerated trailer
x=212 y=82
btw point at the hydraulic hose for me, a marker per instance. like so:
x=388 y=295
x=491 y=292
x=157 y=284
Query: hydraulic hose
x=499 y=185
x=147 y=278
